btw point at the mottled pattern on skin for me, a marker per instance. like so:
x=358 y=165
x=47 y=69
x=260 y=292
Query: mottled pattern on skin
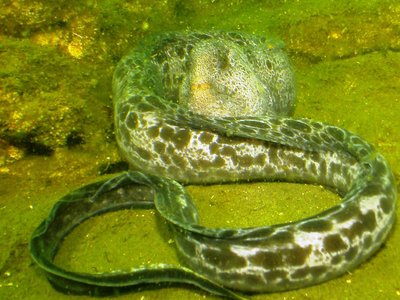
x=211 y=108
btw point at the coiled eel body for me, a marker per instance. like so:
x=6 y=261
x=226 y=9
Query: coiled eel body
x=211 y=108
x=244 y=133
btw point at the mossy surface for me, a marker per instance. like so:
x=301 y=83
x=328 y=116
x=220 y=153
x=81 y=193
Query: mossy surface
x=57 y=60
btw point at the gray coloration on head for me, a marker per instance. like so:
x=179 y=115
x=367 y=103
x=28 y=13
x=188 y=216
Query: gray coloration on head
x=227 y=79
x=211 y=108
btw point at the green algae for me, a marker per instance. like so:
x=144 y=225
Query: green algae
x=346 y=57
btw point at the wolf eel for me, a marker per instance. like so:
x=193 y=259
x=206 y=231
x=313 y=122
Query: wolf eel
x=205 y=108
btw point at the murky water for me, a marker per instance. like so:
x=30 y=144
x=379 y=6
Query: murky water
x=56 y=126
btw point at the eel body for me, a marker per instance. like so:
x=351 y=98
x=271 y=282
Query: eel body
x=211 y=108
x=197 y=108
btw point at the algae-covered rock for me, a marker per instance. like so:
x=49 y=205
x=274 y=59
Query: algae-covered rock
x=43 y=98
x=346 y=33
